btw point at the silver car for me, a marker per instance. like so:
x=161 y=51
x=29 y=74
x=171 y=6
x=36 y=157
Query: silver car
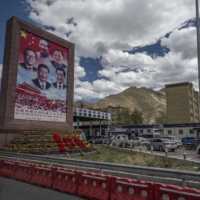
x=140 y=141
x=198 y=150
x=97 y=139
x=174 y=139
x=162 y=144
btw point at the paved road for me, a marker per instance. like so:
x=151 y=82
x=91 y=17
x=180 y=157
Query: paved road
x=15 y=190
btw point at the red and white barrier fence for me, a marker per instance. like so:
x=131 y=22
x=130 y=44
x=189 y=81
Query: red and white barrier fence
x=8 y=168
x=93 y=186
x=1 y=165
x=124 y=188
x=66 y=180
x=42 y=176
x=24 y=172
x=172 y=192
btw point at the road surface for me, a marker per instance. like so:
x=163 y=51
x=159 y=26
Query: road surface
x=15 y=190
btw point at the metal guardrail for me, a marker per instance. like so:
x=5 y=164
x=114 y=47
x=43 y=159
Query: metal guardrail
x=159 y=172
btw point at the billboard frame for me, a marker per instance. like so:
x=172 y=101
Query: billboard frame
x=9 y=78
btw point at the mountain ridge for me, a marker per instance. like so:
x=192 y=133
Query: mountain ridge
x=151 y=103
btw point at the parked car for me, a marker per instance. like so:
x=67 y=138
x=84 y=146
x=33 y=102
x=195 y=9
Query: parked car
x=121 y=140
x=96 y=139
x=140 y=141
x=136 y=141
x=188 y=140
x=197 y=142
x=162 y=144
x=150 y=136
x=198 y=150
x=174 y=139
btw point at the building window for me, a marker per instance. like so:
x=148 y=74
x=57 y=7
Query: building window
x=191 y=131
x=103 y=132
x=148 y=130
x=97 y=132
x=169 y=131
x=87 y=132
x=181 y=132
x=141 y=131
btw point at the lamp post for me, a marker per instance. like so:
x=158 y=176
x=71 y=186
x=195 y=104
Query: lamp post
x=198 y=43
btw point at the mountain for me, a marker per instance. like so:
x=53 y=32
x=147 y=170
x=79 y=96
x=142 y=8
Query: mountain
x=151 y=103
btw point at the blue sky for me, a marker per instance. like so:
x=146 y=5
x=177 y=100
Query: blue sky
x=118 y=43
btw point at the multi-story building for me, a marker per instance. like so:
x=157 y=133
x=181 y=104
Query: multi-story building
x=182 y=103
x=113 y=113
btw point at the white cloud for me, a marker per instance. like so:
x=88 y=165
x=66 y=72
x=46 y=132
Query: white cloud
x=149 y=72
x=119 y=58
x=101 y=25
x=182 y=41
x=105 y=28
x=79 y=71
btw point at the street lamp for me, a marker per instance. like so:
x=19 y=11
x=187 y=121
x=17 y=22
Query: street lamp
x=198 y=43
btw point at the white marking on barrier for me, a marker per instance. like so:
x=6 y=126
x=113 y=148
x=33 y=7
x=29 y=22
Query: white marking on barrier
x=66 y=172
x=179 y=192
x=133 y=184
x=24 y=165
x=9 y=163
x=43 y=168
x=94 y=177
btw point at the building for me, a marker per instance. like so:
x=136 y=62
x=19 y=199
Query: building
x=113 y=113
x=106 y=130
x=182 y=130
x=182 y=103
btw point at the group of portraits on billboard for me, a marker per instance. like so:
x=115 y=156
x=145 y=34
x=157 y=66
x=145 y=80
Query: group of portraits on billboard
x=41 y=88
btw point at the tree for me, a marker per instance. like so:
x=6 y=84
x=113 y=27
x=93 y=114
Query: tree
x=127 y=117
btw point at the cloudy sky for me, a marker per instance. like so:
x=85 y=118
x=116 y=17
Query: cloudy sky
x=119 y=43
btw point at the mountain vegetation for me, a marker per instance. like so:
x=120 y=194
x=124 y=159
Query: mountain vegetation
x=128 y=117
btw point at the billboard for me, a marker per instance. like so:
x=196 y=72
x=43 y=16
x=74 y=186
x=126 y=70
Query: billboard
x=42 y=79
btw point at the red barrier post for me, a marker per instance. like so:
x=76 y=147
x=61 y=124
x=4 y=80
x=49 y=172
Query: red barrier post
x=124 y=188
x=8 y=168
x=172 y=192
x=66 y=180
x=24 y=172
x=42 y=176
x=1 y=165
x=94 y=186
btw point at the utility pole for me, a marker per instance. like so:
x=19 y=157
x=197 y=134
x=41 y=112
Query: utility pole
x=198 y=44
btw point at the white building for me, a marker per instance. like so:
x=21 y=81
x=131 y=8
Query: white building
x=114 y=130
x=182 y=130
